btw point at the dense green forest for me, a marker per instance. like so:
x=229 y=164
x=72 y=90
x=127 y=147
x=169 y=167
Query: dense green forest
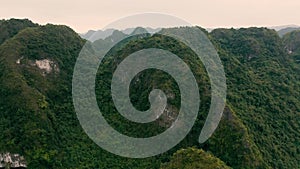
x=260 y=127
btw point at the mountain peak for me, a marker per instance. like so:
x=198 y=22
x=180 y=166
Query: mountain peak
x=139 y=30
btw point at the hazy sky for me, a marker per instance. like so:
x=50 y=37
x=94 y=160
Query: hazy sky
x=95 y=14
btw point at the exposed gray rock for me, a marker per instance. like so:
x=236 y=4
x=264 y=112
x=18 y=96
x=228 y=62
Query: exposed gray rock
x=8 y=160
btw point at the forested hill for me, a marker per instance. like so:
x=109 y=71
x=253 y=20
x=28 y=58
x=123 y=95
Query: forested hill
x=260 y=127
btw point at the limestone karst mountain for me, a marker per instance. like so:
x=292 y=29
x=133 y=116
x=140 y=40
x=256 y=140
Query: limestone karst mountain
x=260 y=127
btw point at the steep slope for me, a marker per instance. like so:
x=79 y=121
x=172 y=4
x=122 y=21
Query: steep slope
x=38 y=120
x=28 y=112
x=260 y=127
x=292 y=44
x=263 y=89
x=233 y=144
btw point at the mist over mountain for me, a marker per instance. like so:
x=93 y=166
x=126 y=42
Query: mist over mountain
x=284 y=31
x=95 y=35
x=278 y=28
x=92 y=35
x=260 y=127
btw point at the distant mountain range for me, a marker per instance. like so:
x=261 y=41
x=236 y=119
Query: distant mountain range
x=93 y=35
x=284 y=31
x=278 y=28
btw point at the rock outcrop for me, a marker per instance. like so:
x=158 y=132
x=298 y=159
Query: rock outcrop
x=8 y=160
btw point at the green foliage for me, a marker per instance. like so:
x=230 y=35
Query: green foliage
x=233 y=144
x=263 y=91
x=260 y=127
x=249 y=44
x=192 y=158
x=9 y=28
x=145 y=82
x=292 y=45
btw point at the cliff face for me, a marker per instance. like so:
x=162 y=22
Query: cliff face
x=8 y=160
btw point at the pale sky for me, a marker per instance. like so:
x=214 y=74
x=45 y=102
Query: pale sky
x=96 y=14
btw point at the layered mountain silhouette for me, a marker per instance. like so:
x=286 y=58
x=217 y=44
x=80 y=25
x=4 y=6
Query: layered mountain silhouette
x=92 y=35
